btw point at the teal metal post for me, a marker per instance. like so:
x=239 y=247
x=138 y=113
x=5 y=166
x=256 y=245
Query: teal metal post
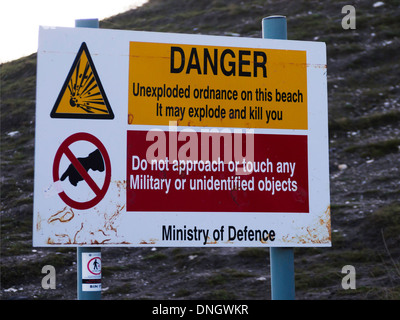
x=87 y=23
x=282 y=273
x=281 y=259
x=88 y=286
x=274 y=27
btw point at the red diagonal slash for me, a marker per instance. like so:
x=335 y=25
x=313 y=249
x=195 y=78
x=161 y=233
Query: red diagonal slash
x=64 y=149
x=78 y=166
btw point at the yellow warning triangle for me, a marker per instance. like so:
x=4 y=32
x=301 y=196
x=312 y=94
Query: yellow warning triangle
x=82 y=95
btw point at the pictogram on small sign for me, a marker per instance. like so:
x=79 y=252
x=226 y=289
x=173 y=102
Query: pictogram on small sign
x=82 y=95
x=94 y=266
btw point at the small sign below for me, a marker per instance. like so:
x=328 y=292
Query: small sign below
x=91 y=271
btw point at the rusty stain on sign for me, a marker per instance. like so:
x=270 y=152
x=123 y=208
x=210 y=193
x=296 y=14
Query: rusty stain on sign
x=64 y=215
x=211 y=242
x=38 y=222
x=75 y=227
x=151 y=241
x=317 y=234
x=316 y=65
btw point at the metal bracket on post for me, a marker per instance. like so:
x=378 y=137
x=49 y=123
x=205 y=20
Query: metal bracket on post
x=281 y=259
x=88 y=258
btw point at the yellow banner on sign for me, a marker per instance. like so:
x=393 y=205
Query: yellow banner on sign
x=214 y=86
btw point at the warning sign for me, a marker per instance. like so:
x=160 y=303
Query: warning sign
x=82 y=95
x=215 y=141
x=91 y=271
x=94 y=266
x=97 y=160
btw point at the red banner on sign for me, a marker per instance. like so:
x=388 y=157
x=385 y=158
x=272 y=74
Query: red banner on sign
x=216 y=171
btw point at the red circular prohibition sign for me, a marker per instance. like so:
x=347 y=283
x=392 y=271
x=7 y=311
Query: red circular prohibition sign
x=64 y=149
x=88 y=266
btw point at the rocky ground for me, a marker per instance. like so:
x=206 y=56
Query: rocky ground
x=364 y=119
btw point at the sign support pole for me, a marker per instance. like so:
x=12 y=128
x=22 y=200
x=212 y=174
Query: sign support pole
x=281 y=258
x=81 y=251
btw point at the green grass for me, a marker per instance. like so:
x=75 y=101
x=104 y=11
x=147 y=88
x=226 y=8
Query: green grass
x=360 y=123
x=27 y=270
x=225 y=276
x=372 y=293
x=221 y=294
x=386 y=219
x=375 y=150
x=18 y=227
x=182 y=293
x=305 y=280
x=122 y=289
x=109 y=270
x=156 y=256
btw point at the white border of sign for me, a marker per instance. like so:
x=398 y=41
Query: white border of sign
x=108 y=223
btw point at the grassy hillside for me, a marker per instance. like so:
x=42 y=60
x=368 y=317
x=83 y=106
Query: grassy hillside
x=364 y=124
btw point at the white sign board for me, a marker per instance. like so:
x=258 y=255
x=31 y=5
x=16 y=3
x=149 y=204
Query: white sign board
x=158 y=139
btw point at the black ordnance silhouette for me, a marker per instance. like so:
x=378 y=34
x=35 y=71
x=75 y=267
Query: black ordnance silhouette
x=93 y=161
